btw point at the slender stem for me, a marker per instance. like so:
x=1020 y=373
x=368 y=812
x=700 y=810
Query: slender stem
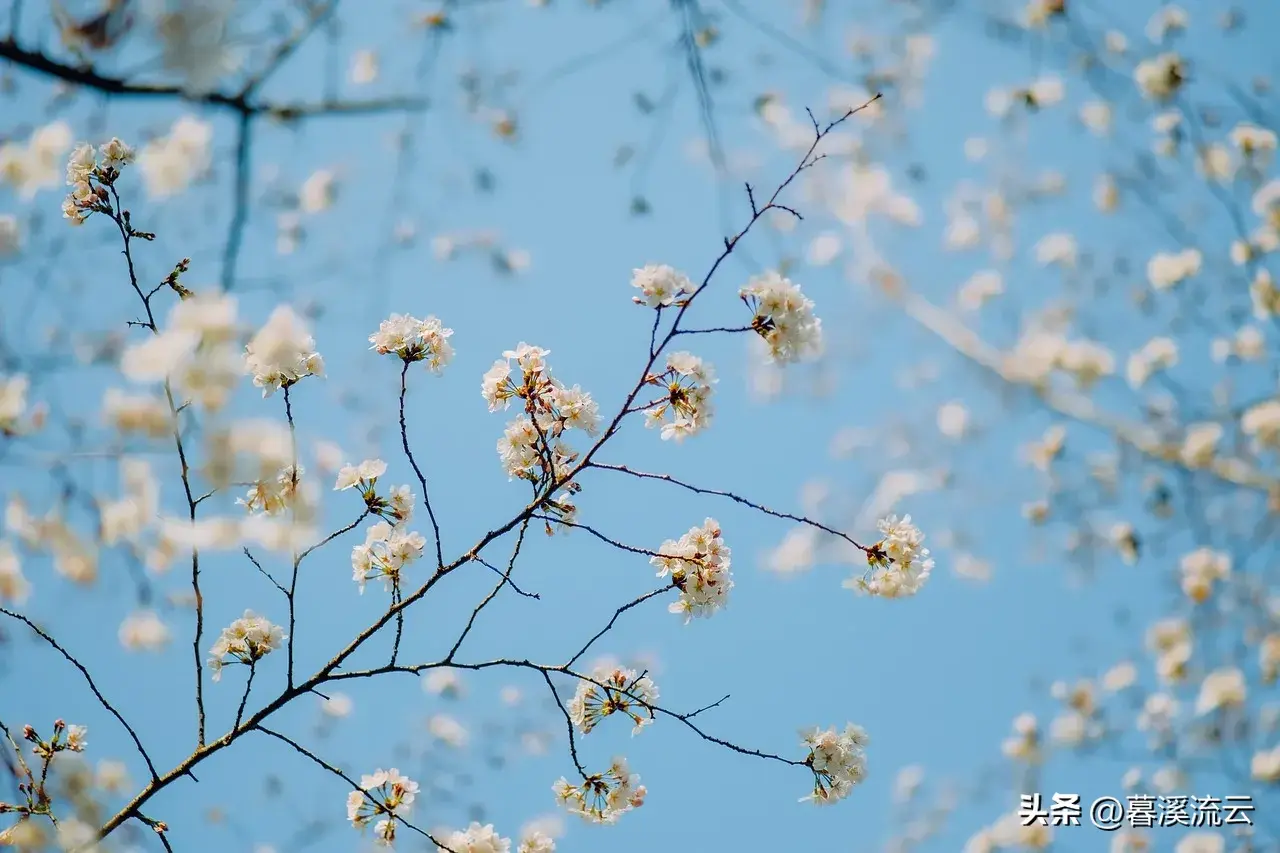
x=102 y=700
x=395 y=599
x=293 y=517
x=248 y=686
x=607 y=628
x=422 y=481
x=119 y=216
x=493 y=593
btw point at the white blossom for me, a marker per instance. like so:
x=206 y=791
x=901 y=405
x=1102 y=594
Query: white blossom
x=386 y=551
x=624 y=691
x=1165 y=270
x=838 y=761
x=384 y=795
x=1222 y=688
x=685 y=407
x=247 y=640
x=171 y=162
x=602 y=797
x=196 y=41
x=783 y=317
x=282 y=352
x=414 y=340
x=898 y=564
x=1160 y=78
x=143 y=630
x=699 y=566
x=660 y=285
x=476 y=839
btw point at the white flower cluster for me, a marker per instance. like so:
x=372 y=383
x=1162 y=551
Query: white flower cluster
x=142 y=630
x=365 y=475
x=476 y=839
x=1222 y=688
x=65 y=738
x=838 y=761
x=14 y=586
x=783 y=316
x=282 y=352
x=89 y=173
x=248 y=640
x=33 y=165
x=275 y=495
x=384 y=792
x=1157 y=354
x=171 y=162
x=396 y=507
x=603 y=797
x=1201 y=569
x=539 y=842
x=414 y=340
x=660 y=286
x=623 y=692
x=1167 y=269
x=698 y=563
x=1161 y=77
x=197 y=351
x=196 y=37
x=15 y=415
x=384 y=554
x=75 y=557
x=531 y=446
x=1261 y=422
x=1171 y=643
x=899 y=566
x=687 y=383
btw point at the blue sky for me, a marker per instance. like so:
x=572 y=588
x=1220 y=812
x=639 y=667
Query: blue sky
x=936 y=679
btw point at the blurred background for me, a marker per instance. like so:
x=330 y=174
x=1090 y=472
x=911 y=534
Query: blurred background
x=1041 y=258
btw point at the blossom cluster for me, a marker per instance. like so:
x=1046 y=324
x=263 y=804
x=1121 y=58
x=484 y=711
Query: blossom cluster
x=66 y=738
x=282 y=353
x=90 y=174
x=16 y=416
x=531 y=446
x=169 y=163
x=247 y=640
x=699 y=565
x=613 y=690
x=1201 y=569
x=196 y=352
x=384 y=795
x=1162 y=76
x=396 y=506
x=660 y=286
x=33 y=165
x=274 y=495
x=476 y=838
x=686 y=408
x=75 y=556
x=385 y=552
x=838 y=761
x=898 y=565
x=602 y=797
x=783 y=317
x=414 y=340
x=389 y=545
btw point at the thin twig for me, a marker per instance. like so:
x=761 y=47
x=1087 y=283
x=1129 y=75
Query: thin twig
x=422 y=481
x=667 y=478
x=102 y=700
x=493 y=593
